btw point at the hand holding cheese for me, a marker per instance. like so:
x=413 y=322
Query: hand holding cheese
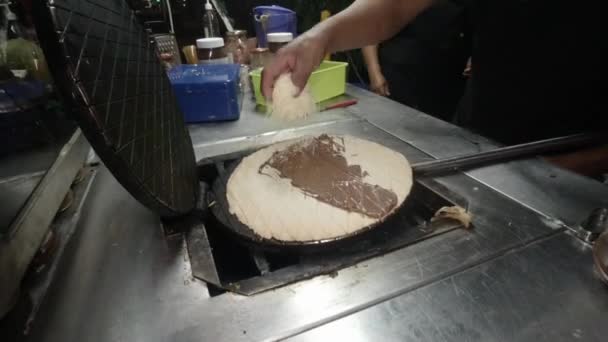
x=288 y=103
x=357 y=26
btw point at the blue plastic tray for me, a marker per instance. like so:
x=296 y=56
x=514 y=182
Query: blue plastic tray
x=209 y=92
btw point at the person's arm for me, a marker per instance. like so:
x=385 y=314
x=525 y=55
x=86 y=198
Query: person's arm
x=368 y=22
x=363 y=23
x=377 y=82
x=590 y=162
x=468 y=69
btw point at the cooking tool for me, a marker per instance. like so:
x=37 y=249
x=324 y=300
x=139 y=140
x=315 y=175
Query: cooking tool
x=220 y=208
x=507 y=153
x=342 y=104
x=119 y=93
x=221 y=11
x=342 y=101
x=234 y=263
x=218 y=202
x=166 y=45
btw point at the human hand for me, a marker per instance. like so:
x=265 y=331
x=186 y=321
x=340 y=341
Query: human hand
x=300 y=57
x=468 y=69
x=378 y=83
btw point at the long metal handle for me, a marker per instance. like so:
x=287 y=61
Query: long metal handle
x=170 y=14
x=508 y=153
x=222 y=14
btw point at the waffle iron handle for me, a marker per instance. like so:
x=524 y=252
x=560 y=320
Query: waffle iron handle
x=508 y=153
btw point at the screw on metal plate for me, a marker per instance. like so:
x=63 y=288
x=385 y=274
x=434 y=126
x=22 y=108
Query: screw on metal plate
x=203 y=202
x=594 y=225
x=600 y=256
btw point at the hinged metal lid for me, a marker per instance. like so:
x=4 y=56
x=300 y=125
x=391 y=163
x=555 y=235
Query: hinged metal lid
x=104 y=64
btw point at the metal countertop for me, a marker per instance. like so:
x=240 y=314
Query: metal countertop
x=122 y=280
x=526 y=295
x=20 y=173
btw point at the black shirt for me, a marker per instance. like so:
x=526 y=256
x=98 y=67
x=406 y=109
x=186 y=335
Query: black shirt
x=423 y=63
x=538 y=66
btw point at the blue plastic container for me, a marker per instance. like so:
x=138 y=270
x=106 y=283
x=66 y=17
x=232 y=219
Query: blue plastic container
x=209 y=92
x=270 y=19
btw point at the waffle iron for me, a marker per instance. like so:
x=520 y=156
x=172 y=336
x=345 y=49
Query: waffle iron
x=106 y=69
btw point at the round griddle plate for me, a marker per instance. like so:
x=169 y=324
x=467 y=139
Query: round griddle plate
x=106 y=69
x=218 y=200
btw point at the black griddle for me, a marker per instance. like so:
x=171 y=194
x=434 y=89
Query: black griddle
x=229 y=257
x=217 y=200
x=106 y=68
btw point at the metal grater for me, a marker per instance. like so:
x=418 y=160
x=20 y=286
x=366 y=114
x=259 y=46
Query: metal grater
x=166 y=43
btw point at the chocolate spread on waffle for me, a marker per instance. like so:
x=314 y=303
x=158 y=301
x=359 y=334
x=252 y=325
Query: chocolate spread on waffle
x=318 y=167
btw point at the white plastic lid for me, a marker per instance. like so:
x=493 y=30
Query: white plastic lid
x=210 y=43
x=279 y=37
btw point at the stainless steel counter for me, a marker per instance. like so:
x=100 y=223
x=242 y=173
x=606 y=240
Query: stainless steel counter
x=531 y=294
x=518 y=275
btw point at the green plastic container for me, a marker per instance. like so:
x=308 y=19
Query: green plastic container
x=329 y=80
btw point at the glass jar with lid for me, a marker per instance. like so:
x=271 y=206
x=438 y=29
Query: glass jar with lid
x=236 y=46
x=211 y=51
x=259 y=58
x=277 y=40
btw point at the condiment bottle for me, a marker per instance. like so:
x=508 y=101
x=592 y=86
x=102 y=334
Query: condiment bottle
x=277 y=40
x=236 y=46
x=211 y=51
x=259 y=57
x=211 y=25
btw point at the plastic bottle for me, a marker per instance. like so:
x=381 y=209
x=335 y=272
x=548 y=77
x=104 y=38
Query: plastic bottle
x=211 y=25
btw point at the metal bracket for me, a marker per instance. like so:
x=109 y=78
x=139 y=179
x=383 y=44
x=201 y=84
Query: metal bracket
x=32 y=223
x=594 y=225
